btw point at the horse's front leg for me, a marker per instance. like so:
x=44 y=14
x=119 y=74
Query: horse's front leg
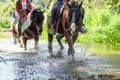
x=59 y=37
x=36 y=41
x=24 y=40
x=71 y=50
x=50 y=38
x=15 y=38
x=36 y=44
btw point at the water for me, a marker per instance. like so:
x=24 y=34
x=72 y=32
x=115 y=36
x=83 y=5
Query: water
x=110 y=55
x=36 y=65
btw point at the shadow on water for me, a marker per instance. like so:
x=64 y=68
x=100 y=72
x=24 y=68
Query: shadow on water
x=98 y=62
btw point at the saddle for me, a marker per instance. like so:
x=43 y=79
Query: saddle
x=59 y=12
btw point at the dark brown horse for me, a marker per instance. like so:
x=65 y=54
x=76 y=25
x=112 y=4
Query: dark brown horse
x=28 y=28
x=68 y=24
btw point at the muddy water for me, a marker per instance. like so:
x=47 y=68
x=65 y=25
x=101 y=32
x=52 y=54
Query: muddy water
x=37 y=65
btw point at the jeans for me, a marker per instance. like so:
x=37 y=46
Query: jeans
x=54 y=10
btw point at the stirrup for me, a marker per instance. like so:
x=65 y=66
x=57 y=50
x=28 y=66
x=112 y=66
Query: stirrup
x=83 y=29
x=51 y=30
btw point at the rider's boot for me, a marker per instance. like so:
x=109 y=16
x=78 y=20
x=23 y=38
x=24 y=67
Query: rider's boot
x=83 y=29
x=52 y=30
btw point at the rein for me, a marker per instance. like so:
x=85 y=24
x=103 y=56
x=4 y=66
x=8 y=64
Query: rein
x=67 y=28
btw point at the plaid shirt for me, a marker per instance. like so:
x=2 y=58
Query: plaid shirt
x=19 y=6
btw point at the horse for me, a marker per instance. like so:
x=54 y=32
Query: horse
x=28 y=27
x=68 y=24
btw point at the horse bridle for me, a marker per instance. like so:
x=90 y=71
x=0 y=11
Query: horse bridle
x=70 y=22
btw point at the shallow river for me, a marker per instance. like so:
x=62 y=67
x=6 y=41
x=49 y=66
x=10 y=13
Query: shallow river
x=98 y=62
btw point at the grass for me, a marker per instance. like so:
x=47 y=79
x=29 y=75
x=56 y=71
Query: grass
x=5 y=34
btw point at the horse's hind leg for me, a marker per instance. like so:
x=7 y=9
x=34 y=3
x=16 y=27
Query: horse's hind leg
x=19 y=42
x=13 y=34
x=59 y=37
x=50 y=38
x=15 y=40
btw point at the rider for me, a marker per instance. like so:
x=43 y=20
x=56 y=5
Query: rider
x=20 y=5
x=54 y=14
x=23 y=4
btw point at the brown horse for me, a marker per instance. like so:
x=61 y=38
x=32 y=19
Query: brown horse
x=28 y=27
x=68 y=24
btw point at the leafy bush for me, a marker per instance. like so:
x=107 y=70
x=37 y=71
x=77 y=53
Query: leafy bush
x=103 y=25
x=102 y=19
x=5 y=21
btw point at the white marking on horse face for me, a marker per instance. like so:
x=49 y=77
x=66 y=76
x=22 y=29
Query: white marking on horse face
x=73 y=27
x=73 y=17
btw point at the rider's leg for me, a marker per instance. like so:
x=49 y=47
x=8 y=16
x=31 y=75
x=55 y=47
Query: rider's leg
x=83 y=29
x=54 y=16
x=14 y=19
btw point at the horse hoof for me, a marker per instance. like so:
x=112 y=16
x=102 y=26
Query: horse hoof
x=15 y=42
x=73 y=58
x=51 y=56
x=59 y=53
x=35 y=47
x=21 y=46
x=25 y=49
x=71 y=51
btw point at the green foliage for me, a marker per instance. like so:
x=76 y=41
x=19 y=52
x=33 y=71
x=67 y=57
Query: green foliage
x=102 y=19
x=5 y=21
x=6 y=8
x=44 y=33
x=103 y=26
x=5 y=35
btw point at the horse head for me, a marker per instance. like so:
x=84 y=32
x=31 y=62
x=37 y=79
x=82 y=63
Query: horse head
x=38 y=17
x=74 y=16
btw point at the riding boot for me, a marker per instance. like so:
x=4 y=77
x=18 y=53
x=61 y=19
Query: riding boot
x=83 y=29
